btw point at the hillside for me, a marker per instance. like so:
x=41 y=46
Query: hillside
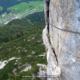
x=21 y=48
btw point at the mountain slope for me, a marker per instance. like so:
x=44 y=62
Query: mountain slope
x=21 y=48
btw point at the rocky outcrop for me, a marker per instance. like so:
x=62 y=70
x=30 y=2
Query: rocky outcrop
x=61 y=37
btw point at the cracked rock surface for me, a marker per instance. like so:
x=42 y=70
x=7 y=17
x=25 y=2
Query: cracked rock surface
x=61 y=37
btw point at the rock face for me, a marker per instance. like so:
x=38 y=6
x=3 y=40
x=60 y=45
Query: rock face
x=62 y=40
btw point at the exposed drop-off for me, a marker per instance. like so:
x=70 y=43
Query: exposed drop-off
x=62 y=40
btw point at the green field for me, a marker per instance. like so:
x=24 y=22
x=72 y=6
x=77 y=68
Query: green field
x=24 y=6
x=1 y=8
x=21 y=10
x=22 y=39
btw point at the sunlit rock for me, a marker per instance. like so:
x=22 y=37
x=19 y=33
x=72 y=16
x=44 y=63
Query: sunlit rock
x=62 y=40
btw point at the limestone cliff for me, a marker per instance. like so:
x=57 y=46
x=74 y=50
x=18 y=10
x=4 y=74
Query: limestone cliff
x=61 y=37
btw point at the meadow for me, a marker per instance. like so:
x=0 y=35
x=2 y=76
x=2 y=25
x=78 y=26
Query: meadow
x=19 y=10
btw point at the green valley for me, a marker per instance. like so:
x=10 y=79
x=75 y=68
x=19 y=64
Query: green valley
x=20 y=10
x=21 y=46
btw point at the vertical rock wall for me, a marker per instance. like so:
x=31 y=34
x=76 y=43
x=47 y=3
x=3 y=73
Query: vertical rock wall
x=62 y=40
